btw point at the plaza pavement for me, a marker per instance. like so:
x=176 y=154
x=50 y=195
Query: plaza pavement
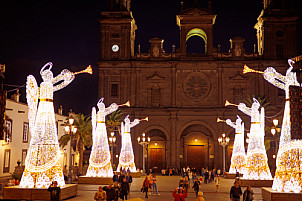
x=166 y=185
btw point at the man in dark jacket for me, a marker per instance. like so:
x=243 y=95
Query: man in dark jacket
x=54 y=191
x=235 y=192
x=124 y=189
x=115 y=177
x=116 y=189
x=110 y=192
x=121 y=178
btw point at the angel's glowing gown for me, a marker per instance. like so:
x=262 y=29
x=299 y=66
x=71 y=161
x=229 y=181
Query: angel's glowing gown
x=288 y=174
x=99 y=162
x=42 y=164
x=238 y=155
x=126 y=159
x=256 y=160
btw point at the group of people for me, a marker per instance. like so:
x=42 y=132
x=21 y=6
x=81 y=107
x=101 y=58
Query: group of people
x=236 y=193
x=149 y=183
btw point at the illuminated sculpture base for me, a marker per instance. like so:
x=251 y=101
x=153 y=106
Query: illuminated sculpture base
x=268 y=194
x=18 y=193
x=257 y=167
x=231 y=175
x=256 y=182
x=43 y=179
x=95 y=180
x=100 y=171
x=131 y=167
x=288 y=176
x=237 y=162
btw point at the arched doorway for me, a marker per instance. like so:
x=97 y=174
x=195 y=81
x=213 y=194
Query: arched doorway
x=157 y=150
x=197 y=147
x=196 y=41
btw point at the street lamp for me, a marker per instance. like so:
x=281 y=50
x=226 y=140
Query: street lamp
x=112 y=140
x=144 y=142
x=223 y=141
x=71 y=130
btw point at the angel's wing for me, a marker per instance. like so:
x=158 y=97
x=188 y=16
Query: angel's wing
x=93 y=121
x=122 y=131
x=262 y=120
x=32 y=96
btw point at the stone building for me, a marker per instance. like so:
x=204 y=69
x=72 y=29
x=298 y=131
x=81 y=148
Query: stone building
x=182 y=92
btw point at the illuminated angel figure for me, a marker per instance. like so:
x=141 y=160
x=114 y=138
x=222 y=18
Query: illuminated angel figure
x=99 y=162
x=126 y=159
x=283 y=82
x=238 y=155
x=42 y=164
x=256 y=162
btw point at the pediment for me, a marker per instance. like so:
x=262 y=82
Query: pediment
x=238 y=77
x=197 y=12
x=155 y=77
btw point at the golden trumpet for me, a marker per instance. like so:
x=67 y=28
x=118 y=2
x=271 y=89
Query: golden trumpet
x=145 y=119
x=228 y=103
x=87 y=70
x=297 y=58
x=246 y=69
x=125 y=104
x=220 y=120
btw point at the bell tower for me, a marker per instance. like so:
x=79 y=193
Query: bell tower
x=196 y=21
x=276 y=30
x=117 y=27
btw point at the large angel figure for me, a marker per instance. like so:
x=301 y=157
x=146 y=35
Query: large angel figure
x=238 y=155
x=99 y=162
x=256 y=162
x=283 y=82
x=42 y=164
x=126 y=159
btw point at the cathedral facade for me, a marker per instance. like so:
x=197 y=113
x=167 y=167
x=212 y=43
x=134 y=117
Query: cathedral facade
x=183 y=93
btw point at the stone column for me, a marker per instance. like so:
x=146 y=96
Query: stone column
x=173 y=120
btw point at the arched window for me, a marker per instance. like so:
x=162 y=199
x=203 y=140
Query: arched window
x=196 y=40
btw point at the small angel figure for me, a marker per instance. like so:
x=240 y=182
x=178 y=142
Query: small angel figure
x=99 y=162
x=238 y=156
x=126 y=159
x=42 y=164
x=256 y=163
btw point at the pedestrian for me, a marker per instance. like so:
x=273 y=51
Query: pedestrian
x=196 y=186
x=248 y=194
x=179 y=194
x=217 y=182
x=100 y=195
x=218 y=172
x=116 y=191
x=206 y=177
x=110 y=192
x=145 y=186
x=124 y=189
x=235 y=192
x=129 y=180
x=181 y=182
x=186 y=183
x=121 y=178
x=54 y=191
x=115 y=177
x=154 y=185
x=190 y=176
x=200 y=198
x=150 y=183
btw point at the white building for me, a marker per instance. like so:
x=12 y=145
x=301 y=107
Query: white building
x=19 y=137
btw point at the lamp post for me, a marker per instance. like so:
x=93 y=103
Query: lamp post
x=274 y=132
x=112 y=140
x=144 y=142
x=223 y=141
x=71 y=130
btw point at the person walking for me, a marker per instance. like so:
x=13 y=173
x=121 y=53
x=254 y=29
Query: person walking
x=200 y=198
x=248 y=194
x=124 y=189
x=121 y=178
x=206 y=177
x=196 y=186
x=129 y=179
x=150 y=183
x=217 y=182
x=54 y=191
x=115 y=177
x=179 y=194
x=190 y=177
x=110 y=192
x=116 y=191
x=186 y=183
x=235 y=192
x=154 y=185
x=100 y=195
x=145 y=186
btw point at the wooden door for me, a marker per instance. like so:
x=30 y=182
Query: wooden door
x=196 y=156
x=156 y=159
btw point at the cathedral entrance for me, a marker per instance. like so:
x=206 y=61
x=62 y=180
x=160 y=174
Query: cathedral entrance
x=196 y=156
x=156 y=159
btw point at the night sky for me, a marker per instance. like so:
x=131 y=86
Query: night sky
x=66 y=32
